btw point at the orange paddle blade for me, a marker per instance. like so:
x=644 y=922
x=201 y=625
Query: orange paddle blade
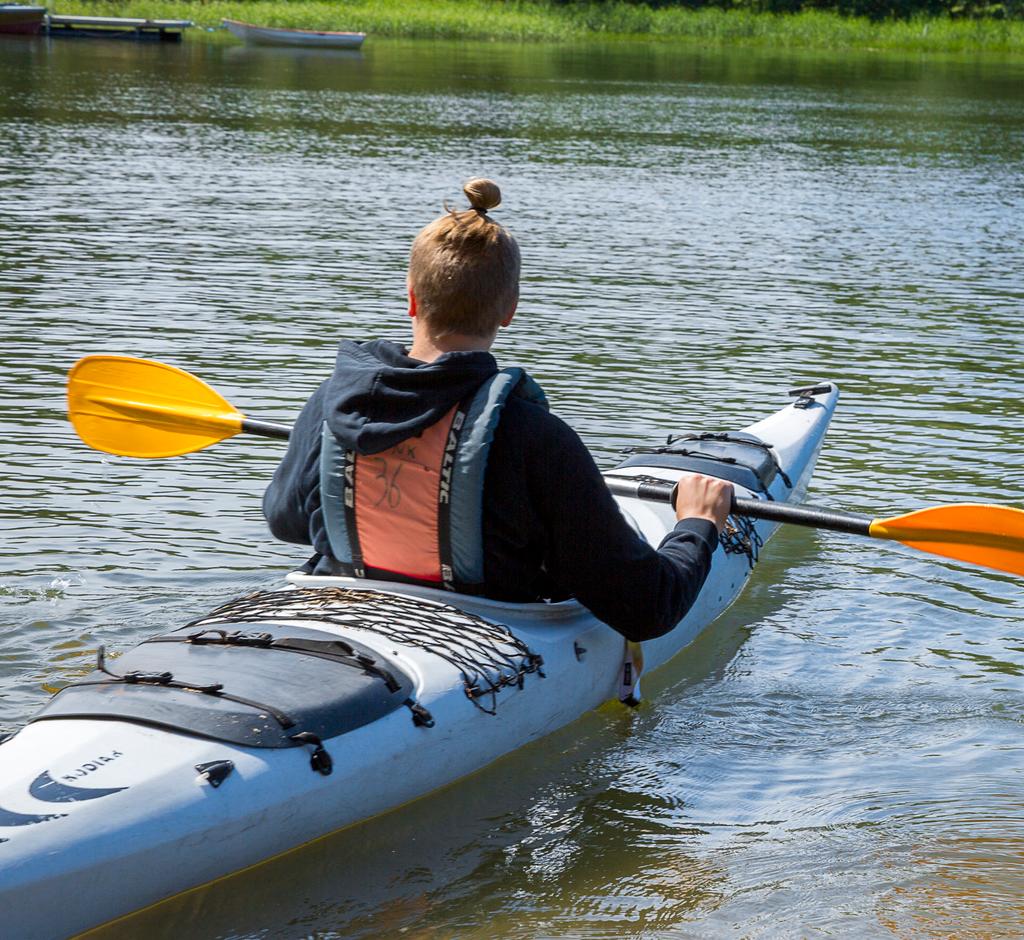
x=142 y=408
x=990 y=536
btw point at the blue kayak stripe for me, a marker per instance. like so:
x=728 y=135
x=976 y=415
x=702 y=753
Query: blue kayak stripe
x=9 y=818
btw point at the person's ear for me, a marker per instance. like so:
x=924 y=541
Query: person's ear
x=412 y=301
x=511 y=314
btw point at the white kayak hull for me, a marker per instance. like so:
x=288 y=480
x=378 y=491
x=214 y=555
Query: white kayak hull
x=112 y=815
x=272 y=36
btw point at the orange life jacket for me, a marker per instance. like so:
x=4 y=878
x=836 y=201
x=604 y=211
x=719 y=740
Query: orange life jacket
x=414 y=512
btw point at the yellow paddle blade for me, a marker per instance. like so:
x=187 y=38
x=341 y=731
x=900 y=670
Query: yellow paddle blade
x=142 y=408
x=991 y=536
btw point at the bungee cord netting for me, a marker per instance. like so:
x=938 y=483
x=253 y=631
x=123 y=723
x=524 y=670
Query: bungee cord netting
x=487 y=655
x=740 y=537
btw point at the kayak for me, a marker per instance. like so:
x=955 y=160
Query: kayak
x=286 y=715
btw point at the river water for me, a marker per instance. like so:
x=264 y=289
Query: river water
x=842 y=753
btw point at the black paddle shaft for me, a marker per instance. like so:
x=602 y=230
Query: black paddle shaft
x=664 y=492
x=266 y=429
x=810 y=516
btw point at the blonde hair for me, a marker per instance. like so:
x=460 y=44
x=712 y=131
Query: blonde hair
x=464 y=268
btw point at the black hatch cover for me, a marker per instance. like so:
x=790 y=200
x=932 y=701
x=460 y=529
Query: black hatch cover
x=255 y=684
x=738 y=457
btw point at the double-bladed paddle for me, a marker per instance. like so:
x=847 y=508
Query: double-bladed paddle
x=142 y=408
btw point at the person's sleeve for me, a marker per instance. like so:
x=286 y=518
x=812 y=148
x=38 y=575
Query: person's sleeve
x=291 y=498
x=595 y=554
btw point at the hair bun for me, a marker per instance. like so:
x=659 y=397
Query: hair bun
x=483 y=194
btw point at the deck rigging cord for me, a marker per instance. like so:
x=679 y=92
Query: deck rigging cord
x=488 y=656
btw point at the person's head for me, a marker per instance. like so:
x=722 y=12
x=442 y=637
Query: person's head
x=464 y=269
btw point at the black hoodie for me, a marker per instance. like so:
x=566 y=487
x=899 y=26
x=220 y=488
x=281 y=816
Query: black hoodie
x=551 y=528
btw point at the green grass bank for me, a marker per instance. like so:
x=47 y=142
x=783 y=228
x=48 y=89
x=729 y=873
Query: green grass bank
x=554 y=22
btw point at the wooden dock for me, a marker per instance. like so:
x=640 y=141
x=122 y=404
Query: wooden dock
x=116 y=27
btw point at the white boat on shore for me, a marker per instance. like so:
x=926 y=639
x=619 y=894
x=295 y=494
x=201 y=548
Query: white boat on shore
x=274 y=36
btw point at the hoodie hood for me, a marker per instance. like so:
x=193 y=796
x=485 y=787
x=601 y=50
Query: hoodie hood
x=379 y=396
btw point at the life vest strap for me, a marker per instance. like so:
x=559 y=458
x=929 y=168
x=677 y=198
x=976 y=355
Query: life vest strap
x=466 y=509
x=349 y=504
x=334 y=468
x=444 y=496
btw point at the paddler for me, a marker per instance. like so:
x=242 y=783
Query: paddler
x=430 y=465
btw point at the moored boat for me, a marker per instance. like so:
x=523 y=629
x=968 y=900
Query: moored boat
x=286 y=715
x=21 y=19
x=274 y=36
